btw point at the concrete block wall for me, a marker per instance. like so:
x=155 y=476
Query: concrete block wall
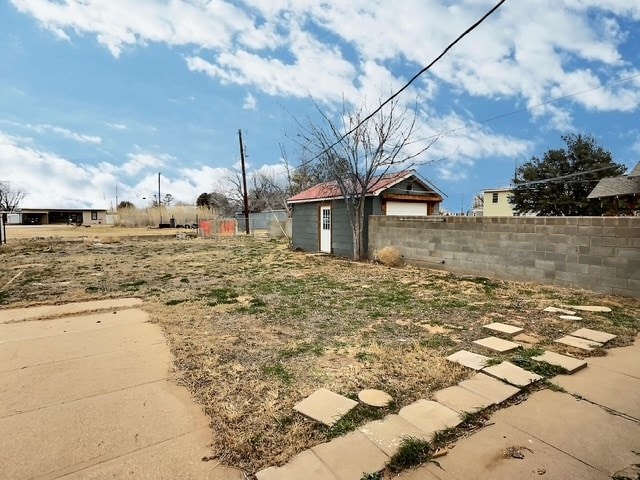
x=596 y=253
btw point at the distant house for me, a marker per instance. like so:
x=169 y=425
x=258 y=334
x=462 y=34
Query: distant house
x=624 y=188
x=38 y=216
x=497 y=203
x=321 y=221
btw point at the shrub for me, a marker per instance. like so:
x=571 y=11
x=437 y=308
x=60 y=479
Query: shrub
x=389 y=256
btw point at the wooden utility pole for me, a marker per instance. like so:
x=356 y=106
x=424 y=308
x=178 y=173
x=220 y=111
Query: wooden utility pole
x=159 y=200
x=244 y=186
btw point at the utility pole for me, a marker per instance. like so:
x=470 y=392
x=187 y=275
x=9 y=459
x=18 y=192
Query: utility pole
x=159 y=200
x=244 y=186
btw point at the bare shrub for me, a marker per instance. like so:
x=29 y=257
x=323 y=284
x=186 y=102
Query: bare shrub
x=150 y=217
x=389 y=256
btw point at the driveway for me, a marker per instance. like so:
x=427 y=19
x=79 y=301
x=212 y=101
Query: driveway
x=89 y=396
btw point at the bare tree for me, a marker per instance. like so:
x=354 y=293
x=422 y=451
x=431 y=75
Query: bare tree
x=478 y=200
x=9 y=198
x=358 y=161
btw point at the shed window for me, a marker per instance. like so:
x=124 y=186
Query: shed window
x=94 y=215
x=494 y=199
x=326 y=219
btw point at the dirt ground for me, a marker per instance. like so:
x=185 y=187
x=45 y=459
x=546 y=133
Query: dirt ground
x=103 y=232
x=255 y=328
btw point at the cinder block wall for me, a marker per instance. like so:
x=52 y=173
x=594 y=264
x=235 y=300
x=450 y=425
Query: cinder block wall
x=595 y=253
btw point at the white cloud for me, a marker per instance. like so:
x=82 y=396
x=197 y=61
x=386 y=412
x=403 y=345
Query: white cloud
x=288 y=48
x=144 y=161
x=51 y=181
x=117 y=126
x=250 y=102
x=178 y=22
x=60 y=131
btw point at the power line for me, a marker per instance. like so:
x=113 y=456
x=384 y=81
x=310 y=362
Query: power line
x=562 y=177
x=413 y=79
x=524 y=109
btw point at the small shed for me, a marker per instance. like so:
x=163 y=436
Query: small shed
x=321 y=220
x=624 y=188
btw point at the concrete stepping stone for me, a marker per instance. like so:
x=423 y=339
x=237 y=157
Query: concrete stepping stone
x=497 y=344
x=304 y=465
x=570 y=317
x=503 y=328
x=591 y=308
x=512 y=374
x=559 y=310
x=461 y=400
x=430 y=416
x=576 y=342
x=469 y=359
x=325 y=406
x=593 y=335
x=350 y=456
x=375 y=398
x=570 y=364
x=489 y=387
x=387 y=434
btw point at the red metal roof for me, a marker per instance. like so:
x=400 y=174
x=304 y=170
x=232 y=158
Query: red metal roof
x=330 y=190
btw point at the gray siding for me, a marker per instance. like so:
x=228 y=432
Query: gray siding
x=305 y=217
x=341 y=236
x=305 y=226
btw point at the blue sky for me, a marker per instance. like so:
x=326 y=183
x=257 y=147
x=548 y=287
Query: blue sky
x=99 y=93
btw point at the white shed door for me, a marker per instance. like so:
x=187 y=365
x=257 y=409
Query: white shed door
x=406 y=208
x=325 y=229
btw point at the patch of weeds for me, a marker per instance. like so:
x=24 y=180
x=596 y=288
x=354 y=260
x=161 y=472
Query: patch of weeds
x=184 y=280
x=553 y=387
x=445 y=303
x=3 y=297
x=255 y=305
x=366 y=357
x=388 y=294
x=438 y=340
x=494 y=361
x=488 y=284
x=358 y=416
x=412 y=452
x=278 y=372
x=222 y=295
x=175 y=301
x=578 y=300
x=132 y=285
x=166 y=276
x=524 y=359
x=372 y=476
x=92 y=289
x=620 y=319
x=303 y=349
x=444 y=437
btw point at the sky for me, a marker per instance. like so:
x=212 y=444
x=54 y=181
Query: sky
x=99 y=96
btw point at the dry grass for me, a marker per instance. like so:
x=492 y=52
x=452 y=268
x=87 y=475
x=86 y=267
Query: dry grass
x=389 y=256
x=102 y=233
x=254 y=327
x=145 y=217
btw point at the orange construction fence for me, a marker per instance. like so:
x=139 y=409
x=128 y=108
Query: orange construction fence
x=210 y=228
